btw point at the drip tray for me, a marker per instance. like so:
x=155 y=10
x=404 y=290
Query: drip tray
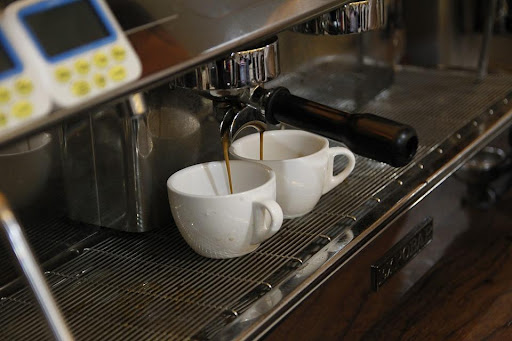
x=153 y=286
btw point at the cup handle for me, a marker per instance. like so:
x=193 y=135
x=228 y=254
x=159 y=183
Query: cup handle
x=332 y=181
x=262 y=233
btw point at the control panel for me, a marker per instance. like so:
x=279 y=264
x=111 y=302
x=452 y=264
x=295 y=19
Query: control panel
x=22 y=95
x=77 y=46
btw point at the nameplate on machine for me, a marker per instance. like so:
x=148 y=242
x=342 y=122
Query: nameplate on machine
x=400 y=254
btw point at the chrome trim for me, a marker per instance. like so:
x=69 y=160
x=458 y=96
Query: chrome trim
x=236 y=121
x=354 y=17
x=241 y=69
x=16 y=239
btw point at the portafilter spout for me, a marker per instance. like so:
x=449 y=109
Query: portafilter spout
x=234 y=84
x=234 y=121
x=227 y=80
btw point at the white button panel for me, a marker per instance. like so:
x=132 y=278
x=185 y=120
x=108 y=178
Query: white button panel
x=94 y=72
x=21 y=99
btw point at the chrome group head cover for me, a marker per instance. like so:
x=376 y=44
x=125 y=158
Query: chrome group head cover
x=354 y=17
x=240 y=70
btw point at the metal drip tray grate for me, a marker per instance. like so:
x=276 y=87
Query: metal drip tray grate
x=153 y=286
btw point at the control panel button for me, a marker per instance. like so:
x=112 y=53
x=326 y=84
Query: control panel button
x=5 y=95
x=100 y=80
x=3 y=119
x=117 y=73
x=62 y=74
x=100 y=59
x=22 y=109
x=119 y=53
x=24 y=86
x=82 y=66
x=80 y=88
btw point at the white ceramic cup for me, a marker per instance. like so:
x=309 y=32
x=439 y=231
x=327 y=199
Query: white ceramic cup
x=218 y=224
x=303 y=163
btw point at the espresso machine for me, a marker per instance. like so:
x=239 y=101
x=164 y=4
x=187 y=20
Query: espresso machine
x=91 y=249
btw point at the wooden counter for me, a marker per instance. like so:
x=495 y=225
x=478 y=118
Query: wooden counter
x=458 y=288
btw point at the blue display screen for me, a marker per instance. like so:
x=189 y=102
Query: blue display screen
x=62 y=26
x=6 y=63
x=9 y=61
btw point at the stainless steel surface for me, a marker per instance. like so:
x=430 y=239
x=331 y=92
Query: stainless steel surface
x=354 y=17
x=452 y=33
x=18 y=242
x=235 y=121
x=479 y=169
x=341 y=71
x=402 y=253
x=483 y=59
x=227 y=80
x=116 y=162
x=94 y=165
x=152 y=285
x=173 y=36
x=446 y=150
x=25 y=169
x=486 y=177
x=241 y=69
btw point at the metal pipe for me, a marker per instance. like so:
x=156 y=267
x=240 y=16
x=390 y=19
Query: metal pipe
x=483 y=60
x=30 y=268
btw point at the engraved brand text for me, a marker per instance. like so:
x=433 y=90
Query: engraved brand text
x=400 y=254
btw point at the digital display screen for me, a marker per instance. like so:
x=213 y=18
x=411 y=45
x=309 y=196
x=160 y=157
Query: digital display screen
x=6 y=62
x=65 y=27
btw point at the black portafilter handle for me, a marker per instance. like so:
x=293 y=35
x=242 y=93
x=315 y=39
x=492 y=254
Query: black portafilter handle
x=368 y=135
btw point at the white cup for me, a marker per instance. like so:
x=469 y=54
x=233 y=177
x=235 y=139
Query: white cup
x=218 y=224
x=303 y=163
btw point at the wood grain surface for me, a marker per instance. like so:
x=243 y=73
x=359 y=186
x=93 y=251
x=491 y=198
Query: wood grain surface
x=468 y=294
x=458 y=288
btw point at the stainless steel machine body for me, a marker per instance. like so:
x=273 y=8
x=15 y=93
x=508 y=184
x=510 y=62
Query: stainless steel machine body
x=116 y=162
x=110 y=159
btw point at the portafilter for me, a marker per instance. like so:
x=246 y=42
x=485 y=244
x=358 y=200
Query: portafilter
x=235 y=84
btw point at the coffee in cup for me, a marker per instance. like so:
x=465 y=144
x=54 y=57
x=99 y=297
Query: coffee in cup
x=303 y=163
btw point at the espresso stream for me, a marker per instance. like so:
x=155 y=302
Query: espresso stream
x=225 y=149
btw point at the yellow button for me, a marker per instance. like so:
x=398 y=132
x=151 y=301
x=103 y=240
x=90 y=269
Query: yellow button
x=82 y=66
x=80 y=88
x=99 y=80
x=119 y=53
x=100 y=59
x=62 y=74
x=24 y=86
x=3 y=119
x=5 y=95
x=117 y=73
x=22 y=109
